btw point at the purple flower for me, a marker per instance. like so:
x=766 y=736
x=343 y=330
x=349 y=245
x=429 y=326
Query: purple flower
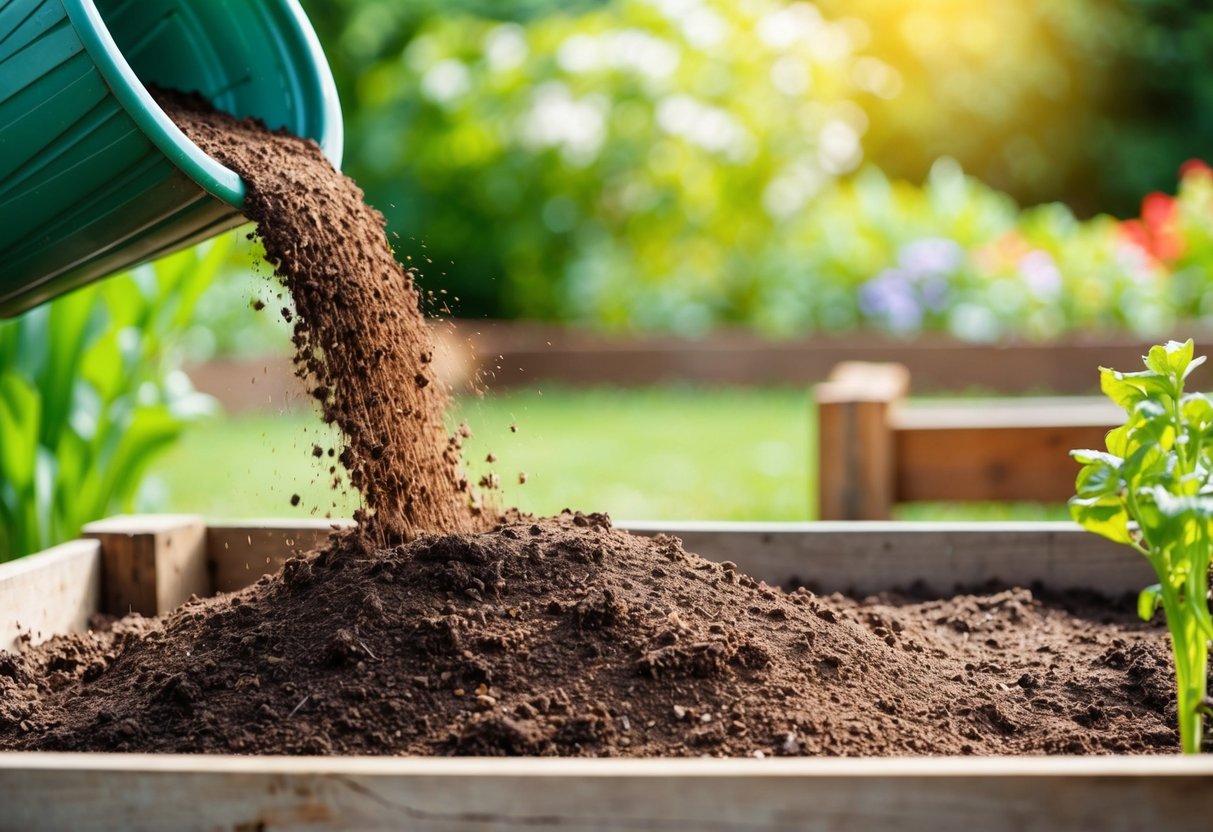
x=934 y=256
x=1038 y=269
x=936 y=292
x=921 y=282
x=892 y=297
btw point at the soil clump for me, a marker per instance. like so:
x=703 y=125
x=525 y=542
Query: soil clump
x=565 y=636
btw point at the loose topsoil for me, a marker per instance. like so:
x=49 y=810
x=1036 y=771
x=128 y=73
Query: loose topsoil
x=564 y=636
x=424 y=632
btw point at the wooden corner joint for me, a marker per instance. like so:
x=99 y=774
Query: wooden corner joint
x=150 y=563
x=865 y=381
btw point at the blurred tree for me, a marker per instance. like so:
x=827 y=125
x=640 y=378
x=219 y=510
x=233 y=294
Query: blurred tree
x=1016 y=92
x=1089 y=102
x=365 y=38
x=1162 y=110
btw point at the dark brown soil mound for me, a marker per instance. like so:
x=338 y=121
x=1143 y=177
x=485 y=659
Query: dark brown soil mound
x=566 y=637
x=360 y=337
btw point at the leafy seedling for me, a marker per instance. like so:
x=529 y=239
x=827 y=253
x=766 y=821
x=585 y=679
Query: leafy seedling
x=1152 y=490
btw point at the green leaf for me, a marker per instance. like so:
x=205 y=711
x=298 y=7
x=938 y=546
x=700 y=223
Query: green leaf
x=1148 y=601
x=1098 y=480
x=103 y=367
x=1127 y=389
x=1158 y=359
x=74 y=439
x=1088 y=456
x=1179 y=356
x=1196 y=362
x=1181 y=506
x=20 y=420
x=1103 y=516
x=1149 y=463
x=1117 y=441
x=150 y=430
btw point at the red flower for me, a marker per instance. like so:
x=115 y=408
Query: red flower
x=1159 y=211
x=1195 y=167
x=1157 y=232
x=1133 y=231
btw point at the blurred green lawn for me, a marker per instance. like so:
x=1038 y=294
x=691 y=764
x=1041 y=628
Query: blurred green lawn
x=666 y=453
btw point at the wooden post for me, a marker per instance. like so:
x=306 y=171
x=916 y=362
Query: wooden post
x=855 y=462
x=151 y=563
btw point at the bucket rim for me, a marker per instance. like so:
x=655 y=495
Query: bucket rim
x=214 y=177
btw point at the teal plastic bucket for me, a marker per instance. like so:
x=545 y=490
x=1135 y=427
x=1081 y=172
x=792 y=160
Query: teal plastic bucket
x=94 y=177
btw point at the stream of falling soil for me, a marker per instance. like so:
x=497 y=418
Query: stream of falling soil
x=361 y=341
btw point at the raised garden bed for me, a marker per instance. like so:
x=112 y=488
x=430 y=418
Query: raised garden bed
x=509 y=354
x=877 y=448
x=504 y=354
x=154 y=563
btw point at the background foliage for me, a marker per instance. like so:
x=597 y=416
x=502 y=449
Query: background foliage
x=661 y=142
x=1088 y=102
x=89 y=397
x=1092 y=103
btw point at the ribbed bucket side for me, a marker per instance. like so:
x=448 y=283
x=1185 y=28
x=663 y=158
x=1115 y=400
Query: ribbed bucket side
x=93 y=176
x=83 y=191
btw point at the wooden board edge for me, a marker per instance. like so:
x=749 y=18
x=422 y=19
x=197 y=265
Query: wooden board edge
x=238 y=553
x=856 y=556
x=861 y=557
x=865 y=558
x=282 y=523
x=471 y=795
x=1105 y=765
x=52 y=592
x=676 y=526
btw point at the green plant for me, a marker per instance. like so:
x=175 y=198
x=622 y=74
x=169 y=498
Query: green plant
x=1153 y=490
x=89 y=396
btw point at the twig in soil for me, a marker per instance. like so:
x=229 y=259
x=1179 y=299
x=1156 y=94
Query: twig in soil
x=369 y=654
x=295 y=709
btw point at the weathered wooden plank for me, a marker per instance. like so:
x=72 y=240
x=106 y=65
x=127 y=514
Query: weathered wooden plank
x=877 y=450
x=870 y=557
x=55 y=591
x=152 y=563
x=136 y=792
x=238 y=553
x=1033 y=411
x=996 y=449
x=970 y=464
x=856 y=451
x=514 y=353
x=475 y=353
x=865 y=557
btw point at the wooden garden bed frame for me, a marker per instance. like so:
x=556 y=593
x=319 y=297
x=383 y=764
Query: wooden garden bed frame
x=154 y=563
x=877 y=448
x=504 y=354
